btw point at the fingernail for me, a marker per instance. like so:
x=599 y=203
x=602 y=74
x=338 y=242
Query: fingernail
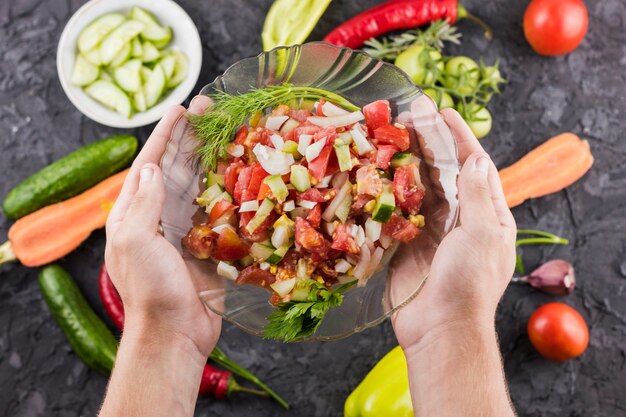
x=482 y=165
x=146 y=174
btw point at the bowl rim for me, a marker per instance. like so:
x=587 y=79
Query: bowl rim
x=453 y=224
x=138 y=119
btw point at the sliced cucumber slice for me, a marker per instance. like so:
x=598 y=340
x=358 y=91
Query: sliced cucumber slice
x=93 y=34
x=278 y=255
x=155 y=85
x=168 y=63
x=180 y=69
x=261 y=214
x=385 y=205
x=106 y=75
x=145 y=73
x=137 y=48
x=213 y=178
x=128 y=76
x=153 y=31
x=113 y=43
x=142 y=15
x=150 y=52
x=93 y=57
x=139 y=101
x=111 y=96
x=261 y=252
x=163 y=44
x=300 y=178
x=84 y=72
x=122 y=56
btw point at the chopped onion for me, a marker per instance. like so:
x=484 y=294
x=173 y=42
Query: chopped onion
x=289 y=205
x=280 y=237
x=235 y=150
x=342 y=266
x=275 y=122
x=264 y=266
x=329 y=213
x=221 y=227
x=329 y=109
x=283 y=288
x=273 y=162
x=360 y=236
x=246 y=206
x=377 y=256
x=363 y=145
x=227 y=270
x=353 y=231
x=337 y=121
x=385 y=240
x=314 y=150
x=307 y=204
x=277 y=141
x=330 y=227
x=340 y=179
x=324 y=182
x=302 y=269
x=303 y=142
x=346 y=137
x=289 y=125
x=362 y=267
x=373 y=229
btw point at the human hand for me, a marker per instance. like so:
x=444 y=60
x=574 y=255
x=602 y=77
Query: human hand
x=474 y=263
x=149 y=273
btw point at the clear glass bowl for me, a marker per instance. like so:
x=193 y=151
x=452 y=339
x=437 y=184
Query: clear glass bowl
x=361 y=79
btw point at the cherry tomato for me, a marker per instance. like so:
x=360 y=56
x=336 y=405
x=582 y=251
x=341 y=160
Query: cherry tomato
x=555 y=27
x=478 y=118
x=421 y=63
x=442 y=99
x=558 y=332
x=462 y=75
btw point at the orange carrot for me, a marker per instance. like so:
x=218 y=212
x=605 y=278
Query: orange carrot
x=549 y=168
x=54 y=231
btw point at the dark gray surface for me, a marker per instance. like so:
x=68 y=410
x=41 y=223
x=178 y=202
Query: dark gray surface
x=583 y=92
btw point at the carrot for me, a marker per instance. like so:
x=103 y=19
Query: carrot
x=549 y=168
x=54 y=231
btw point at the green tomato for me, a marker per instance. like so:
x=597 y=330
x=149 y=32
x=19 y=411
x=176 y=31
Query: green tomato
x=491 y=76
x=478 y=118
x=442 y=99
x=462 y=75
x=421 y=63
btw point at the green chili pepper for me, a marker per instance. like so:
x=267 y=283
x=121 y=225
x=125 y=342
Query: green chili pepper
x=290 y=22
x=384 y=391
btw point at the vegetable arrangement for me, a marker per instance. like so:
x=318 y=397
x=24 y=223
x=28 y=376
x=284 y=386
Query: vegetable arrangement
x=122 y=61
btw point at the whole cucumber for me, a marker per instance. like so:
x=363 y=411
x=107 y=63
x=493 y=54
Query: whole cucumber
x=90 y=338
x=70 y=175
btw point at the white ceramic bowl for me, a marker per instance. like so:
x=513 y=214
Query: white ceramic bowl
x=186 y=39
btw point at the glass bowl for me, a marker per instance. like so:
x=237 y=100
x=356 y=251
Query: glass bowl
x=361 y=79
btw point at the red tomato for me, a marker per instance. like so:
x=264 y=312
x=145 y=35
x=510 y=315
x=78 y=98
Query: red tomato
x=400 y=228
x=558 y=332
x=310 y=239
x=315 y=216
x=393 y=135
x=555 y=27
x=219 y=209
x=343 y=241
x=256 y=179
x=377 y=114
x=256 y=276
x=316 y=195
x=241 y=135
x=318 y=107
x=264 y=191
x=230 y=176
x=229 y=247
x=300 y=115
x=319 y=166
x=304 y=129
x=243 y=180
x=260 y=234
x=384 y=155
x=200 y=241
x=409 y=194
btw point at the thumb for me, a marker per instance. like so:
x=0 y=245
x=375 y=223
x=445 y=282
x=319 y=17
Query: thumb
x=475 y=201
x=144 y=211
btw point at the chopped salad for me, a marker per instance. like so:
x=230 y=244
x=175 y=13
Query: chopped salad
x=310 y=195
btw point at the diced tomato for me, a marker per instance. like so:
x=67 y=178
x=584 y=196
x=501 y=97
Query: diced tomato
x=315 y=216
x=304 y=129
x=359 y=202
x=368 y=181
x=319 y=106
x=256 y=179
x=221 y=167
x=408 y=191
x=300 y=115
x=219 y=209
x=243 y=180
x=317 y=195
x=377 y=114
x=259 y=135
x=241 y=135
x=310 y=239
x=229 y=246
x=393 y=135
x=231 y=175
x=255 y=276
x=400 y=228
x=264 y=191
x=200 y=241
x=343 y=241
x=319 y=166
x=384 y=155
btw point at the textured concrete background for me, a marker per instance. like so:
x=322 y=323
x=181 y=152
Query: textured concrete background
x=583 y=92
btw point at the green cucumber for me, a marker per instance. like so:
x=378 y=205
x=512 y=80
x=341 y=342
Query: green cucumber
x=128 y=76
x=278 y=187
x=385 y=205
x=223 y=196
x=210 y=194
x=153 y=30
x=150 y=52
x=213 y=178
x=261 y=214
x=111 y=96
x=118 y=38
x=261 y=252
x=300 y=178
x=90 y=338
x=343 y=211
x=277 y=255
x=155 y=85
x=139 y=101
x=93 y=57
x=292 y=148
x=93 y=34
x=180 y=69
x=137 y=51
x=343 y=155
x=70 y=175
x=401 y=159
x=168 y=63
x=84 y=73
x=122 y=56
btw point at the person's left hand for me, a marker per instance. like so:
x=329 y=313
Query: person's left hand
x=148 y=272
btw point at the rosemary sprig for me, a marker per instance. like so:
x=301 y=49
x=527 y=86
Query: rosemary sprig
x=216 y=128
x=434 y=36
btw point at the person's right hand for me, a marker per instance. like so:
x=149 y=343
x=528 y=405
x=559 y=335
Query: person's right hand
x=475 y=262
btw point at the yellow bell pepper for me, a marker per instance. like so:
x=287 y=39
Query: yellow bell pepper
x=290 y=22
x=384 y=391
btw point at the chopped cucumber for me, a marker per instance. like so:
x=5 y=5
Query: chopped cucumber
x=343 y=211
x=163 y=44
x=180 y=69
x=385 y=205
x=153 y=31
x=168 y=63
x=93 y=57
x=111 y=96
x=128 y=76
x=150 y=52
x=84 y=73
x=120 y=36
x=278 y=187
x=300 y=178
x=139 y=101
x=137 y=48
x=278 y=255
x=122 y=56
x=223 y=196
x=282 y=288
x=292 y=148
x=141 y=14
x=401 y=159
x=343 y=155
x=159 y=35
x=260 y=216
x=155 y=85
x=145 y=73
x=93 y=34
x=106 y=75
x=246 y=261
x=261 y=252
x=209 y=195
x=213 y=178
x=301 y=290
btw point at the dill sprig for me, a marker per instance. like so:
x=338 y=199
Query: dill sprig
x=297 y=319
x=434 y=36
x=217 y=127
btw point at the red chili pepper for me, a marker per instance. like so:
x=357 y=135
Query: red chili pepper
x=395 y=15
x=110 y=298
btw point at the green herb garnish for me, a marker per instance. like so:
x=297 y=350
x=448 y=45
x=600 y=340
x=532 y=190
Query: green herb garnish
x=216 y=128
x=539 y=238
x=297 y=319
